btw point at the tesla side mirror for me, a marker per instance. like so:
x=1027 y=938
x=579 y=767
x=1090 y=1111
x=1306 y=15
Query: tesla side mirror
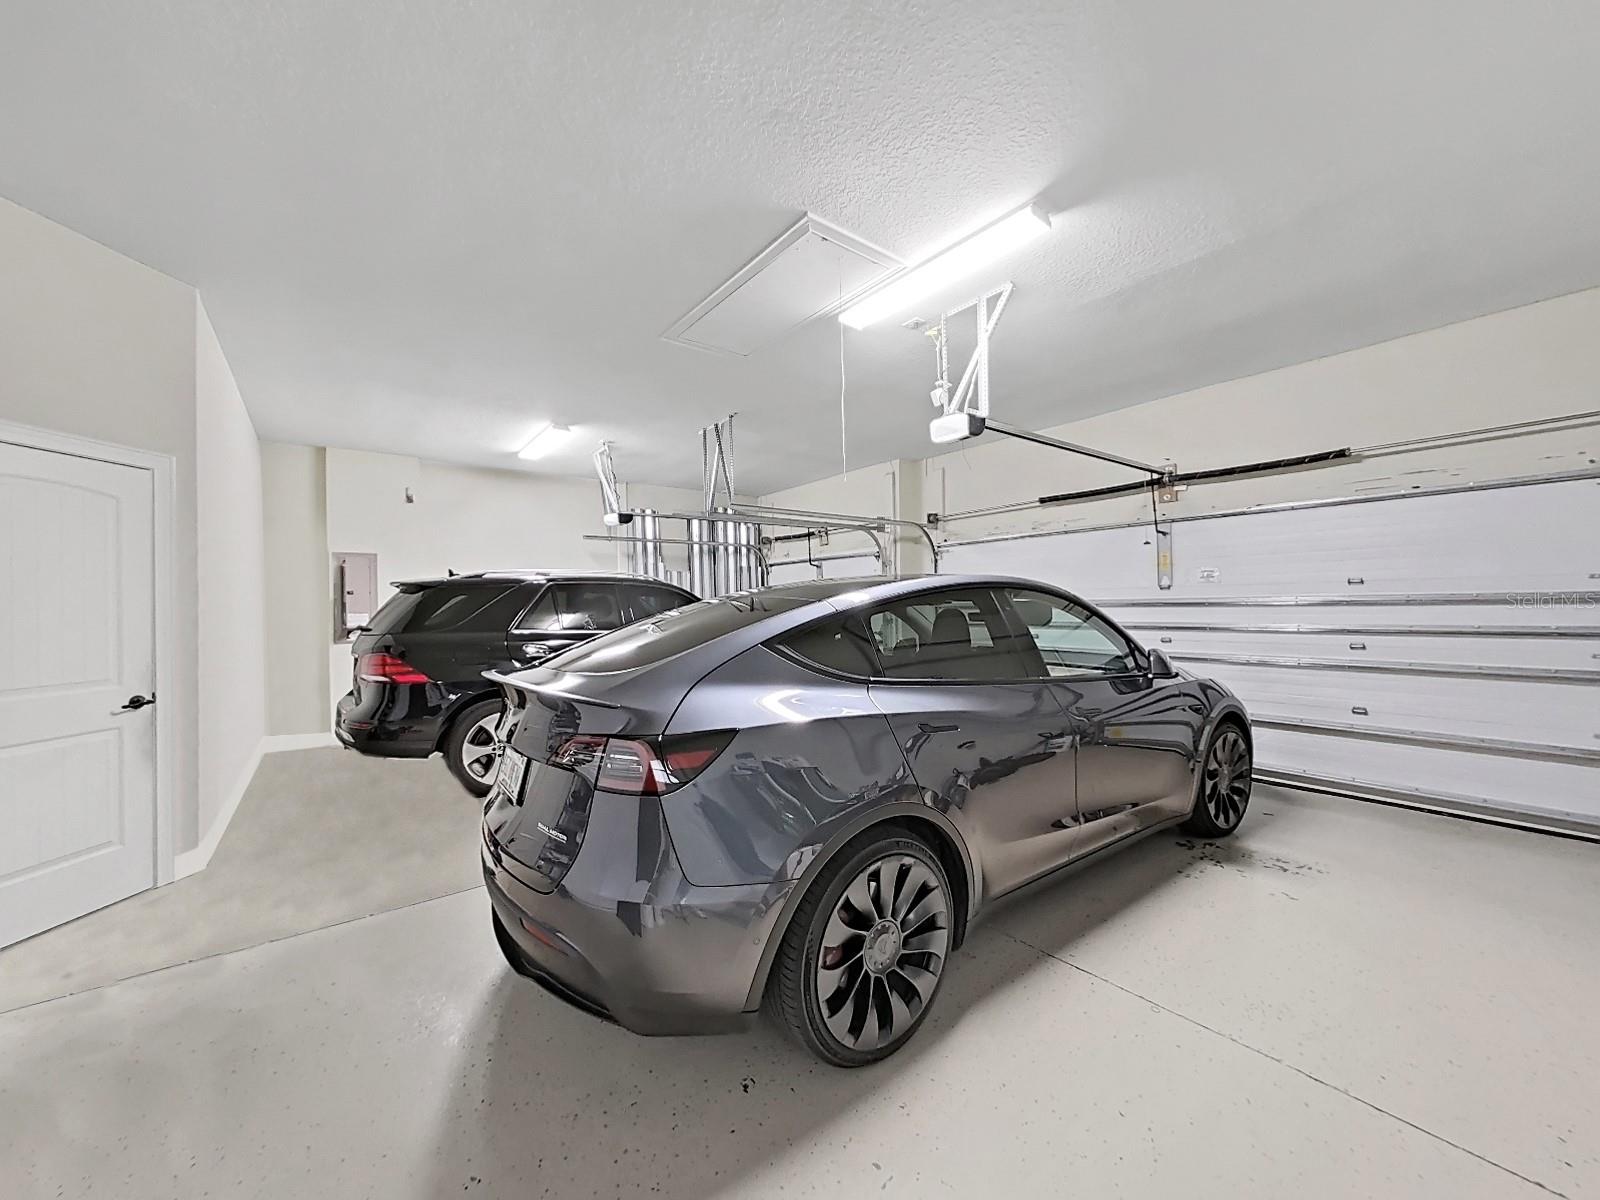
x=1161 y=666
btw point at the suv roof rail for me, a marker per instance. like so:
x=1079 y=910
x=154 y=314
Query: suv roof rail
x=535 y=574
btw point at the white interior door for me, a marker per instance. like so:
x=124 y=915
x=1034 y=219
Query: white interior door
x=77 y=770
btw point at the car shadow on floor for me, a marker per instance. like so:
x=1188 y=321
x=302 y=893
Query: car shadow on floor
x=555 y=1100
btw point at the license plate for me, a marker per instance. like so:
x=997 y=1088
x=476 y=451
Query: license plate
x=513 y=770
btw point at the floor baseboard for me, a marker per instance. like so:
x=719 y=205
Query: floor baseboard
x=190 y=861
x=273 y=743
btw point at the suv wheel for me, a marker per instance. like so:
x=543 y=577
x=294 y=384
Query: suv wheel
x=469 y=747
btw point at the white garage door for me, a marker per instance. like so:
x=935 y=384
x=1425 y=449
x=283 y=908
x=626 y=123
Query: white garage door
x=1441 y=648
x=77 y=770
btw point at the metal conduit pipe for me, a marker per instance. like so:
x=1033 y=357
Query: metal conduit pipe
x=649 y=536
x=700 y=558
x=732 y=517
x=721 y=518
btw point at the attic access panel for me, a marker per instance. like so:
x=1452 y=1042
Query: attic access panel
x=813 y=268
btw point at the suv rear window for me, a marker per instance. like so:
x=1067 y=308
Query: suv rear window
x=657 y=639
x=440 y=608
x=641 y=600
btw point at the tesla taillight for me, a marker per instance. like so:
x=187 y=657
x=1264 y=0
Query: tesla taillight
x=387 y=668
x=627 y=767
x=639 y=767
x=682 y=758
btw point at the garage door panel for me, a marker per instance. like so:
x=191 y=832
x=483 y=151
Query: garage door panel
x=1461 y=617
x=1096 y=563
x=1508 y=610
x=1421 y=544
x=1435 y=544
x=1511 y=653
x=1530 y=712
x=1564 y=790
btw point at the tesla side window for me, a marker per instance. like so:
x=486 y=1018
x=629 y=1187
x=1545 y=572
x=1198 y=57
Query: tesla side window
x=588 y=606
x=840 y=645
x=1071 y=639
x=957 y=635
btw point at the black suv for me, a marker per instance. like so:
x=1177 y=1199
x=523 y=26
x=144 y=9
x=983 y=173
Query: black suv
x=418 y=682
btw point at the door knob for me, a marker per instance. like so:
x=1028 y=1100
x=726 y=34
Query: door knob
x=135 y=703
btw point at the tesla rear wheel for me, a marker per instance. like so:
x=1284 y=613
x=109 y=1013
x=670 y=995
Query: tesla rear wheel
x=862 y=959
x=469 y=748
x=1224 y=784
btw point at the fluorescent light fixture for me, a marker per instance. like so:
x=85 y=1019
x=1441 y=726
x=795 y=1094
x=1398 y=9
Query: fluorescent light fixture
x=966 y=257
x=955 y=427
x=547 y=441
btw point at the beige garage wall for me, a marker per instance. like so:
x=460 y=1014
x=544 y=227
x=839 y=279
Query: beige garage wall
x=297 y=591
x=1536 y=361
x=320 y=502
x=229 y=558
x=457 y=519
x=891 y=489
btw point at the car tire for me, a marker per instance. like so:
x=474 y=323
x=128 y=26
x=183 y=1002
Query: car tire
x=866 y=949
x=1222 y=794
x=465 y=750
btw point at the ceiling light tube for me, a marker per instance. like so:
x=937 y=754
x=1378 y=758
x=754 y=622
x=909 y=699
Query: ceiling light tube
x=547 y=441
x=965 y=258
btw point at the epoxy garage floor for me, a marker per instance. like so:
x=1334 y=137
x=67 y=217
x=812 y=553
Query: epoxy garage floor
x=1343 y=1000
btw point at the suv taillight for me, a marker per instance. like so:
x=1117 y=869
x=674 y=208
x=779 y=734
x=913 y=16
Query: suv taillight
x=639 y=767
x=386 y=668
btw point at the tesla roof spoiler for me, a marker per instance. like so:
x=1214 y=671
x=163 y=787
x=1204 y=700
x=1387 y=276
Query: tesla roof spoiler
x=547 y=690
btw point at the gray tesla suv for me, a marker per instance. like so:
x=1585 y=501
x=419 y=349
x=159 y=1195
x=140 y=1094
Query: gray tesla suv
x=802 y=797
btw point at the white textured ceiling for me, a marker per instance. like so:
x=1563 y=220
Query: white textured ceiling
x=425 y=227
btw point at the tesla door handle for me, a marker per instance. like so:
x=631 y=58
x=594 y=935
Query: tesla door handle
x=926 y=727
x=135 y=703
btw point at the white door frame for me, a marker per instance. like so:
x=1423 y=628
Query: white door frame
x=163 y=467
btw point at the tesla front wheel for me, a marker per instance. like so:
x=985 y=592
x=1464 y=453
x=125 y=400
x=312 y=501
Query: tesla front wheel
x=860 y=963
x=1224 y=784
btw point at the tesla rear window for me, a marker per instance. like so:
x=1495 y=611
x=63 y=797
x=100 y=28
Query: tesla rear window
x=670 y=634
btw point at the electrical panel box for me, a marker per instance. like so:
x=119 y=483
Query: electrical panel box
x=355 y=593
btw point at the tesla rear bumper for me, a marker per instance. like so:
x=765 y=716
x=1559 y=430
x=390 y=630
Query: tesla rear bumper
x=641 y=947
